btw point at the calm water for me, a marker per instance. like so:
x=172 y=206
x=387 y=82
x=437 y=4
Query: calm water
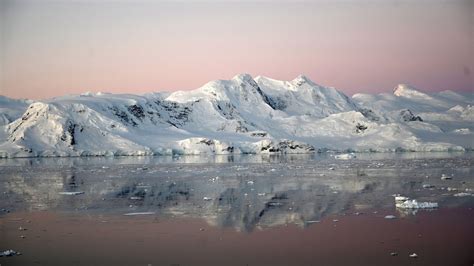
x=237 y=210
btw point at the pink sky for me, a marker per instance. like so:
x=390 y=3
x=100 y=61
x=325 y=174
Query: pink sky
x=52 y=48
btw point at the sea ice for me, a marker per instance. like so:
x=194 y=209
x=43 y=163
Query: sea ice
x=138 y=213
x=71 y=193
x=463 y=194
x=346 y=156
x=9 y=253
x=399 y=198
x=445 y=177
x=414 y=204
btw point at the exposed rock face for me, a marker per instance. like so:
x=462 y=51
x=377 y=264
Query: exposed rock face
x=407 y=116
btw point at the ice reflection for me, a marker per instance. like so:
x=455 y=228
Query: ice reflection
x=248 y=193
x=211 y=159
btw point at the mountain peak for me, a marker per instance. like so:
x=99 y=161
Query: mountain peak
x=302 y=79
x=404 y=90
x=243 y=77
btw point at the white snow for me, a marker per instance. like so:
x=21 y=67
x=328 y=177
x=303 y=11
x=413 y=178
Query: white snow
x=11 y=109
x=241 y=115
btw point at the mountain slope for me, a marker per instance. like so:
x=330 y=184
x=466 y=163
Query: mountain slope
x=241 y=115
x=11 y=109
x=444 y=116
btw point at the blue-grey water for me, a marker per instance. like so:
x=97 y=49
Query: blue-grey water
x=244 y=194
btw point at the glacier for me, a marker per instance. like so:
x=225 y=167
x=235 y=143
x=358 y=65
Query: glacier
x=244 y=115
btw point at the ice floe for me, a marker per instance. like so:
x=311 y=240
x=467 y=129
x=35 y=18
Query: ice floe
x=138 y=213
x=346 y=156
x=71 y=193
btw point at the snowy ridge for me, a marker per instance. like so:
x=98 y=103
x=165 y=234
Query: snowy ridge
x=241 y=115
x=11 y=109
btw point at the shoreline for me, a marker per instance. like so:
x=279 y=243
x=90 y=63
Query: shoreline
x=175 y=155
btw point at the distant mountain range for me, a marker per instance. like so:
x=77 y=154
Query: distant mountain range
x=238 y=116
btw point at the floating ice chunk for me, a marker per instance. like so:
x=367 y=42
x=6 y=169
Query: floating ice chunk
x=346 y=156
x=402 y=202
x=262 y=194
x=463 y=131
x=445 y=177
x=138 y=213
x=428 y=186
x=390 y=217
x=71 y=193
x=207 y=198
x=463 y=194
x=250 y=182
x=312 y=221
x=413 y=255
x=9 y=253
x=275 y=204
x=414 y=204
x=136 y=198
x=399 y=198
x=452 y=189
x=214 y=179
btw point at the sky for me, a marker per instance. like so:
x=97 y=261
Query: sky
x=52 y=48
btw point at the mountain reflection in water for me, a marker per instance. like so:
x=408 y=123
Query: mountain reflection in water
x=245 y=192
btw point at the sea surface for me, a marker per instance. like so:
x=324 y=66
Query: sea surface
x=238 y=210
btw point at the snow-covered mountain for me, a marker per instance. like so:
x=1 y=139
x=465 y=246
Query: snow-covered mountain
x=11 y=109
x=241 y=115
